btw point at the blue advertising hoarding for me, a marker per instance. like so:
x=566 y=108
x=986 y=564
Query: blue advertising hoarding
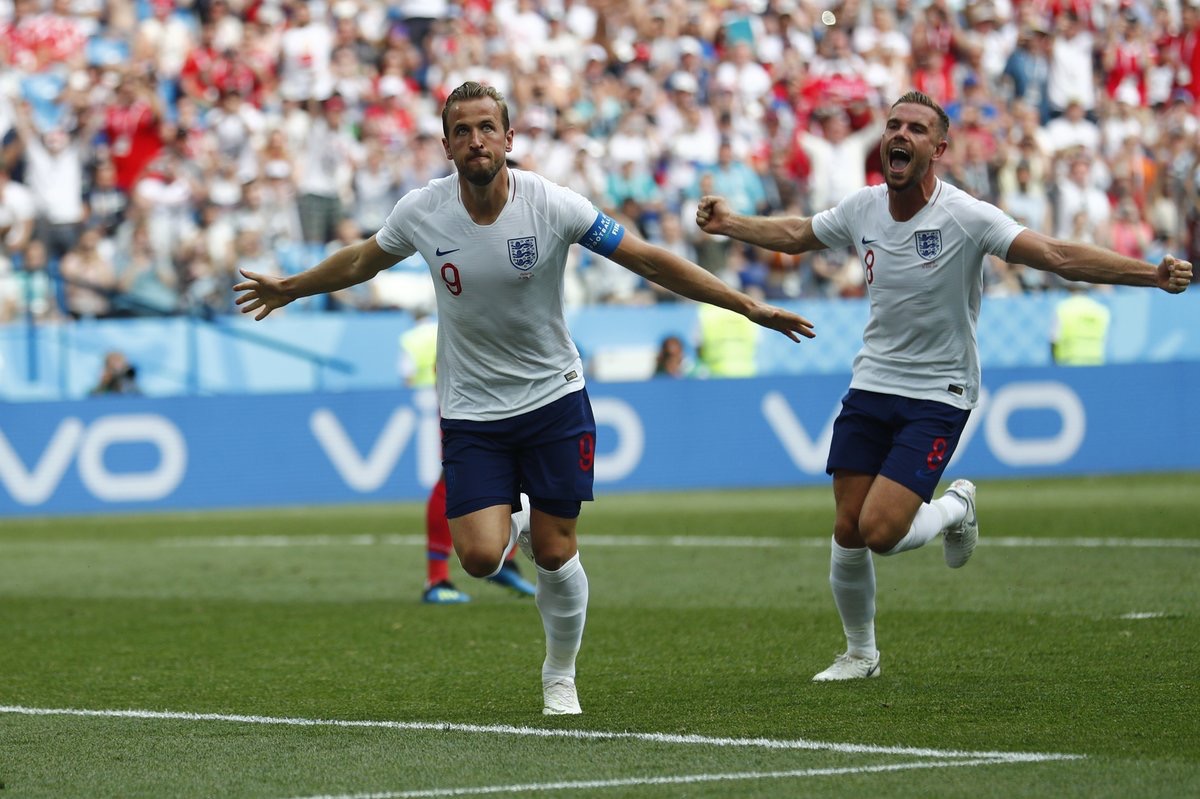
x=135 y=454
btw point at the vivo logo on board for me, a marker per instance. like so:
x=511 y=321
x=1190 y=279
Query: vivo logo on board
x=993 y=412
x=74 y=441
x=370 y=469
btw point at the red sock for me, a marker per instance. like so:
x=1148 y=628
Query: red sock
x=437 y=536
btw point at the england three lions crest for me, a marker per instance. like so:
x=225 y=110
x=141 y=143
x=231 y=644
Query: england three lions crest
x=522 y=253
x=929 y=244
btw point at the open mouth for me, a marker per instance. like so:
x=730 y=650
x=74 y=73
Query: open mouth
x=898 y=159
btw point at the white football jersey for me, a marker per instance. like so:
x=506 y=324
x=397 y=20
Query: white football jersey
x=924 y=279
x=503 y=347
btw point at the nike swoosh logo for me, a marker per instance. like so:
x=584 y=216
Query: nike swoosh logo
x=440 y=253
x=867 y=242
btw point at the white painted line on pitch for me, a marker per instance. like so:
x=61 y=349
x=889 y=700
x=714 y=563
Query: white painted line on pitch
x=1138 y=615
x=697 y=541
x=683 y=779
x=539 y=732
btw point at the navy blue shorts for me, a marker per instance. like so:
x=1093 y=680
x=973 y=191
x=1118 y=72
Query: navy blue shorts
x=548 y=453
x=906 y=440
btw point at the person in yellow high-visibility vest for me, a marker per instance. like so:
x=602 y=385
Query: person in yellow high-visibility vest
x=728 y=343
x=1080 y=331
x=418 y=353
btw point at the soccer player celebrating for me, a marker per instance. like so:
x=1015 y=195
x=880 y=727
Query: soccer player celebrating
x=922 y=244
x=515 y=412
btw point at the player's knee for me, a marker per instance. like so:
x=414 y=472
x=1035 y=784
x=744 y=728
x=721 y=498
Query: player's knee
x=551 y=561
x=479 y=562
x=845 y=532
x=879 y=533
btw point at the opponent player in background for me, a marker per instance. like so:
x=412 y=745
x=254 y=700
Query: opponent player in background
x=515 y=412
x=922 y=243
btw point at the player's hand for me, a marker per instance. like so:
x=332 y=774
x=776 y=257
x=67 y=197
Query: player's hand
x=1174 y=275
x=262 y=293
x=786 y=322
x=712 y=213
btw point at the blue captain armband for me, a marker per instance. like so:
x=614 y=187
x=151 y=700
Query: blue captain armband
x=604 y=235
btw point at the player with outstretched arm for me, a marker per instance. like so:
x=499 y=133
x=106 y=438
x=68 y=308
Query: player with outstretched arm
x=922 y=244
x=515 y=412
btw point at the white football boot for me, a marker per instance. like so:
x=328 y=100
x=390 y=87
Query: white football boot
x=850 y=667
x=959 y=542
x=559 y=697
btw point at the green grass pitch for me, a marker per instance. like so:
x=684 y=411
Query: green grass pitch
x=236 y=640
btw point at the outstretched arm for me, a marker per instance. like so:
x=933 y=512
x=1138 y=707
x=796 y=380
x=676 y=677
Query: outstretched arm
x=1075 y=260
x=347 y=267
x=689 y=280
x=790 y=234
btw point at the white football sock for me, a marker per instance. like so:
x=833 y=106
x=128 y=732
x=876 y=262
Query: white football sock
x=520 y=519
x=852 y=578
x=562 y=598
x=517 y=522
x=931 y=519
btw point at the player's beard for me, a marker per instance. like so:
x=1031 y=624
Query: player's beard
x=478 y=174
x=913 y=176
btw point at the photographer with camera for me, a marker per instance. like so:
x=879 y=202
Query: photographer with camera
x=119 y=376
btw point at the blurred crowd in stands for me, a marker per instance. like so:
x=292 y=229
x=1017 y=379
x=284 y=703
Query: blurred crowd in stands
x=153 y=147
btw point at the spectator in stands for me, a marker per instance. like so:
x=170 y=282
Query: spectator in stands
x=306 y=51
x=331 y=154
x=26 y=290
x=1026 y=201
x=54 y=174
x=89 y=276
x=170 y=195
x=376 y=187
x=206 y=288
x=206 y=69
x=632 y=180
x=131 y=127
x=1124 y=123
x=17 y=213
x=689 y=65
x=106 y=204
x=237 y=128
x=279 y=209
x=838 y=157
x=1129 y=234
x=165 y=40
x=672 y=359
x=1073 y=130
x=146 y=282
x=1072 y=57
x=735 y=180
x=216 y=229
x=1026 y=74
x=1076 y=193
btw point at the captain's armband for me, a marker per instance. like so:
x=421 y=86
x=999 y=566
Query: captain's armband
x=604 y=235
